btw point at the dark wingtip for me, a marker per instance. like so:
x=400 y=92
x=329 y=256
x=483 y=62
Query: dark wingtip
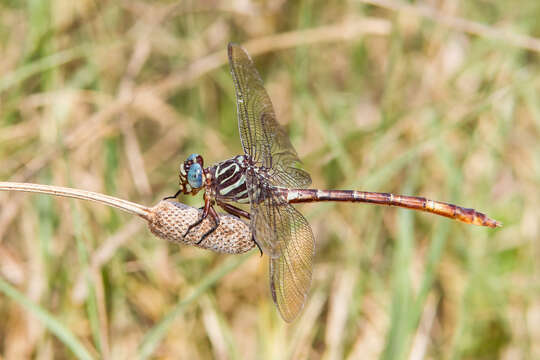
x=231 y=46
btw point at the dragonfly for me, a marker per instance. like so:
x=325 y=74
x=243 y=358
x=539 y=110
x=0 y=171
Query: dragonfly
x=268 y=177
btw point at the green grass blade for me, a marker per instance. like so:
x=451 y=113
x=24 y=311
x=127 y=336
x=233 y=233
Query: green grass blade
x=53 y=325
x=401 y=327
x=91 y=302
x=158 y=332
x=38 y=66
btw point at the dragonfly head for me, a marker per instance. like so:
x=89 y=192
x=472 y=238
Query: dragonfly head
x=192 y=176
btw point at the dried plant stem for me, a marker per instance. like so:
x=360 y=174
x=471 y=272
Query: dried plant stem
x=168 y=219
x=460 y=24
x=125 y=205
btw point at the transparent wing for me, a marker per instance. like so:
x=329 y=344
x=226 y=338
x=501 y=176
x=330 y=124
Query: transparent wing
x=281 y=231
x=262 y=137
x=290 y=273
x=285 y=235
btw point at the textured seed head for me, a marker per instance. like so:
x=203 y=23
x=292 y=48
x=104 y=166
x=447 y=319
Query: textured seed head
x=169 y=220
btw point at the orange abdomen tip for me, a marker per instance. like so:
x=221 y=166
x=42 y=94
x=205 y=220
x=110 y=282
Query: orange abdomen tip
x=471 y=216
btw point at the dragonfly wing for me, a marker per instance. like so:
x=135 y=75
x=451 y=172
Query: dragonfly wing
x=285 y=235
x=290 y=273
x=263 y=218
x=263 y=139
x=290 y=176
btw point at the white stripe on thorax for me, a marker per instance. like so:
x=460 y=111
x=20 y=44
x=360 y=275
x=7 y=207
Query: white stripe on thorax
x=241 y=195
x=231 y=187
x=219 y=171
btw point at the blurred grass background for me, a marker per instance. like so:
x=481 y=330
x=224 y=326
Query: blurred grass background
x=111 y=96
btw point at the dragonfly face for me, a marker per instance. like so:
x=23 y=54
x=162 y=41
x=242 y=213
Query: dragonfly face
x=192 y=175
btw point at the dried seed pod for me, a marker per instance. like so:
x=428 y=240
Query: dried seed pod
x=170 y=219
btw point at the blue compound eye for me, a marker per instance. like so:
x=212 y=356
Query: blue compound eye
x=194 y=176
x=192 y=157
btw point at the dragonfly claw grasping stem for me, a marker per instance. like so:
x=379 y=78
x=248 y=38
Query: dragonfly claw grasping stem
x=174 y=196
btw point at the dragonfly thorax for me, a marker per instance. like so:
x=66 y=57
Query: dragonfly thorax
x=229 y=179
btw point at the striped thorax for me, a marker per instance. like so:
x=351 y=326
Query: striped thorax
x=229 y=179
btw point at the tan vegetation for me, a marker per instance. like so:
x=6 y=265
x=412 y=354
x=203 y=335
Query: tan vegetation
x=438 y=99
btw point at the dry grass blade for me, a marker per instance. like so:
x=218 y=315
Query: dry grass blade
x=372 y=93
x=460 y=24
x=339 y=32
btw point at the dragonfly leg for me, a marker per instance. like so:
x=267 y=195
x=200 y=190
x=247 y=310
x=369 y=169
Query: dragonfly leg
x=233 y=210
x=215 y=217
x=206 y=210
x=174 y=196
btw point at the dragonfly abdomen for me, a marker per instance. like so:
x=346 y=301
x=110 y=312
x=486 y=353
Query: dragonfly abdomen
x=469 y=216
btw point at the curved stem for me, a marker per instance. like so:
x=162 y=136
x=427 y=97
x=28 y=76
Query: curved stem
x=121 y=204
